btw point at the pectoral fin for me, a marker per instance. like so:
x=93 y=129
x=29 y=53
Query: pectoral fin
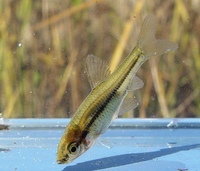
x=97 y=70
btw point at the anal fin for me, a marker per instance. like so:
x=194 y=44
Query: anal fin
x=129 y=103
x=135 y=84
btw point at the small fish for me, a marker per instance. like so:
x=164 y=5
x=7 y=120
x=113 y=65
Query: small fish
x=110 y=95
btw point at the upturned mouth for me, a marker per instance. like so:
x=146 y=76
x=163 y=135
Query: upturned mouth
x=63 y=160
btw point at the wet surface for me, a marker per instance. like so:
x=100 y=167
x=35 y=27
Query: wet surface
x=134 y=144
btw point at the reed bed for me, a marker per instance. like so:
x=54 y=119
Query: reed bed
x=43 y=45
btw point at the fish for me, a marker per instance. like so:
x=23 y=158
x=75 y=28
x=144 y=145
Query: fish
x=111 y=93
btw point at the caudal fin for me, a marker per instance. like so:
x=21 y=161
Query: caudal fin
x=147 y=41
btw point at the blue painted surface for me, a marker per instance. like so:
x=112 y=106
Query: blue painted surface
x=129 y=144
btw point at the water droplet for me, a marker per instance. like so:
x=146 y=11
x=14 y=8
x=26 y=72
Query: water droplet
x=153 y=98
x=172 y=124
x=171 y=144
x=168 y=50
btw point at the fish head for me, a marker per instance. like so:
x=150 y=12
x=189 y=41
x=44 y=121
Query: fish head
x=69 y=152
x=71 y=146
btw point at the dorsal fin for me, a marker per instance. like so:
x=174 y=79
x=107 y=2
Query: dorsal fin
x=97 y=70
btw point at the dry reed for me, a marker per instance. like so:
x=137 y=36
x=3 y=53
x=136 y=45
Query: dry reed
x=43 y=47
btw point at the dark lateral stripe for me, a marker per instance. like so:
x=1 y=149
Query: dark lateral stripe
x=101 y=107
x=84 y=134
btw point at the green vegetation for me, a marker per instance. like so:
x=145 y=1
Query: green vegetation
x=43 y=45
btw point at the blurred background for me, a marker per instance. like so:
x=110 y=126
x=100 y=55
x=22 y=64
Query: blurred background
x=43 y=46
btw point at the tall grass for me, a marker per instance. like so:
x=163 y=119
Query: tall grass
x=43 y=45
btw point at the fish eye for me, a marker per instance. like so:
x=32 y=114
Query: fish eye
x=74 y=148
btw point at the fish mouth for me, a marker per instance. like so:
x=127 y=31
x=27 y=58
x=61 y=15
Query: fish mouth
x=63 y=160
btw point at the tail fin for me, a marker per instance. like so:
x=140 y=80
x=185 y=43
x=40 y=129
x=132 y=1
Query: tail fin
x=147 y=41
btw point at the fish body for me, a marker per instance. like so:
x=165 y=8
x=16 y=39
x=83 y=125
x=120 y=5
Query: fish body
x=110 y=94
